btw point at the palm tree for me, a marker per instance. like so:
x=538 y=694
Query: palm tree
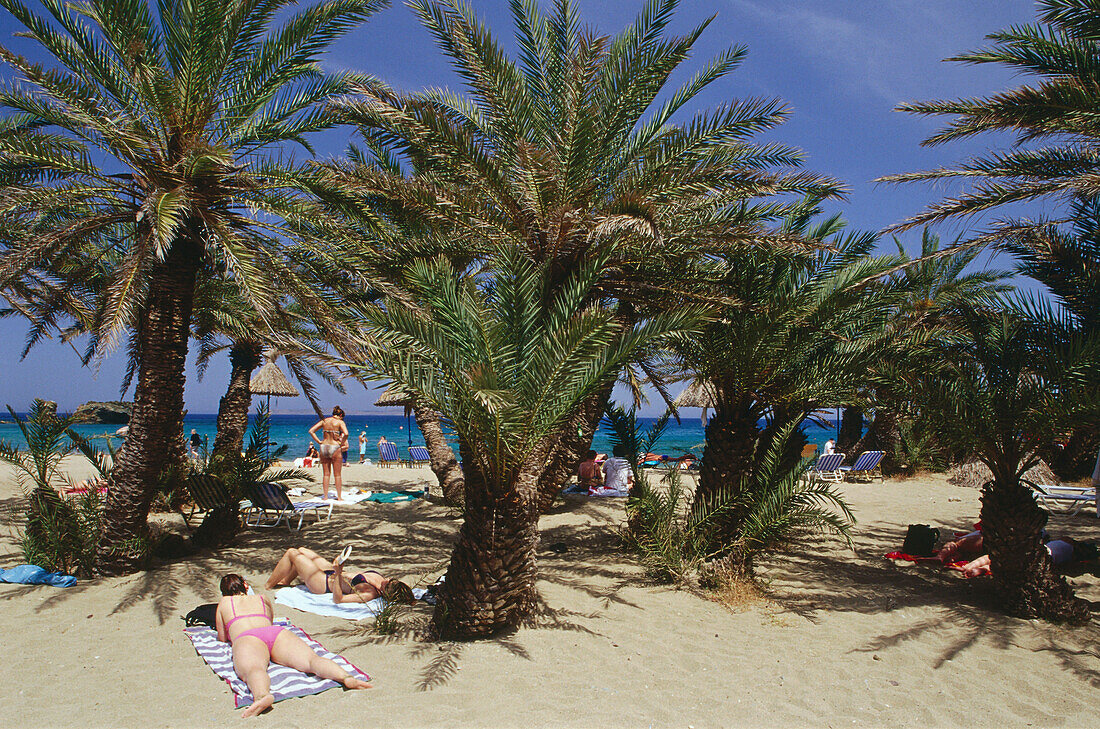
x=1058 y=112
x=150 y=141
x=1011 y=381
x=1067 y=261
x=506 y=361
x=933 y=289
x=806 y=329
x=567 y=152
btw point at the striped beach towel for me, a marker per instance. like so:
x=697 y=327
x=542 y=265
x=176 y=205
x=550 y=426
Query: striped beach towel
x=286 y=683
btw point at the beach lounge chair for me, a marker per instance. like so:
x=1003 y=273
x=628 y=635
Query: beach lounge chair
x=388 y=455
x=270 y=505
x=418 y=456
x=1068 y=499
x=827 y=468
x=866 y=467
x=207 y=493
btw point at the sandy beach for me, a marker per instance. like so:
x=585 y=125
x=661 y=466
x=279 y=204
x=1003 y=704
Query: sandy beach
x=841 y=638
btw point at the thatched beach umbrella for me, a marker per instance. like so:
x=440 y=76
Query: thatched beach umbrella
x=393 y=396
x=699 y=394
x=269 y=380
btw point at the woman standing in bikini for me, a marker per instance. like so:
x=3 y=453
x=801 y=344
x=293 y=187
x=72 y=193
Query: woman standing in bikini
x=244 y=621
x=336 y=435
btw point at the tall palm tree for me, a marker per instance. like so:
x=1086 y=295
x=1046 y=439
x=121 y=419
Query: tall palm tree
x=1011 y=381
x=571 y=150
x=1056 y=154
x=932 y=289
x=802 y=335
x=506 y=361
x=155 y=128
x=1067 y=260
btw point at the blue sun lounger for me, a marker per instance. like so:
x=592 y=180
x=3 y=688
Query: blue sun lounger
x=388 y=455
x=269 y=501
x=866 y=467
x=418 y=456
x=827 y=468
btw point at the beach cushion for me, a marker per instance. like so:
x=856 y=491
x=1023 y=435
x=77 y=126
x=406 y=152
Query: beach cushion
x=286 y=683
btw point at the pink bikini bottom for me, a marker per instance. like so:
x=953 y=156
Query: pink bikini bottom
x=267 y=634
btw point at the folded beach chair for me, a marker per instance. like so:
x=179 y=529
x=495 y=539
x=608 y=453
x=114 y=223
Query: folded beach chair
x=270 y=505
x=418 y=456
x=388 y=455
x=866 y=467
x=207 y=493
x=827 y=468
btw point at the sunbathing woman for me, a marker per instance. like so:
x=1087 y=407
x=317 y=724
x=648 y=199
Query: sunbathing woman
x=244 y=621
x=332 y=460
x=322 y=576
x=1062 y=551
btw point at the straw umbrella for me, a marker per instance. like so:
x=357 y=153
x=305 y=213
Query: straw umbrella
x=269 y=380
x=394 y=396
x=699 y=394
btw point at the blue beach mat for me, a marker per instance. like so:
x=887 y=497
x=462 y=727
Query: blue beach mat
x=30 y=574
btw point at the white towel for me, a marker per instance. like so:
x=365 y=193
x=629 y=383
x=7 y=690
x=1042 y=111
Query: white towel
x=349 y=498
x=302 y=599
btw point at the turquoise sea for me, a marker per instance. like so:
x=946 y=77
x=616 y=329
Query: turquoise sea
x=292 y=430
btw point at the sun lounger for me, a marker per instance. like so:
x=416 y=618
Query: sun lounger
x=418 y=456
x=270 y=502
x=286 y=683
x=207 y=493
x=1071 y=498
x=827 y=468
x=866 y=467
x=1068 y=499
x=388 y=455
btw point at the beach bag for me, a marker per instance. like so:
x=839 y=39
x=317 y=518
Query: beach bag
x=202 y=615
x=920 y=540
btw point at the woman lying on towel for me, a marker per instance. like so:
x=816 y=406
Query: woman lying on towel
x=322 y=576
x=244 y=621
x=1062 y=551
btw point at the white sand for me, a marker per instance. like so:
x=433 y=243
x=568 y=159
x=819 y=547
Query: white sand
x=843 y=639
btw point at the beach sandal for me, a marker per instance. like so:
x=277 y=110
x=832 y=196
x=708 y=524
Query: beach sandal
x=344 y=555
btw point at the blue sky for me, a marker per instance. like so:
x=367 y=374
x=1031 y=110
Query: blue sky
x=840 y=65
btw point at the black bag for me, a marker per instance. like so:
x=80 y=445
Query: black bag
x=202 y=615
x=920 y=540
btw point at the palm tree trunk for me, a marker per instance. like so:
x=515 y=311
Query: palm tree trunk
x=731 y=436
x=155 y=440
x=244 y=357
x=444 y=464
x=576 y=439
x=883 y=434
x=490 y=583
x=1023 y=578
x=851 y=430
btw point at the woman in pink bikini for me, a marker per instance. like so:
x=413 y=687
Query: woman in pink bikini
x=245 y=621
x=332 y=461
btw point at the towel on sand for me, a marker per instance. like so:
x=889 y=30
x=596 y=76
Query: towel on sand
x=31 y=574
x=389 y=497
x=286 y=683
x=301 y=598
x=349 y=498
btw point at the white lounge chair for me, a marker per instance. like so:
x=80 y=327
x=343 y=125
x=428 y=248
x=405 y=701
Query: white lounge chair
x=269 y=501
x=1071 y=499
